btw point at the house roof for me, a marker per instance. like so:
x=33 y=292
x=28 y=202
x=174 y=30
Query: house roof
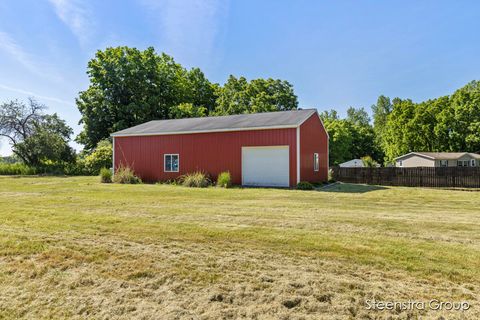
x=441 y=155
x=352 y=161
x=254 y=121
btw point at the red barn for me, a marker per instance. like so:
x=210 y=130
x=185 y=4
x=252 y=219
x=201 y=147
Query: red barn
x=264 y=149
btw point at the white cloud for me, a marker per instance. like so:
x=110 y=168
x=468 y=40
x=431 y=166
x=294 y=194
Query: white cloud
x=30 y=62
x=16 y=52
x=188 y=29
x=76 y=16
x=32 y=94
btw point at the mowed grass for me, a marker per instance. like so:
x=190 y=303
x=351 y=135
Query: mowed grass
x=74 y=248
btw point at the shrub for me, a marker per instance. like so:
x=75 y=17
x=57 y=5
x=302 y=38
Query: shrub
x=76 y=168
x=105 y=175
x=49 y=167
x=125 y=175
x=224 y=180
x=369 y=162
x=195 y=180
x=16 y=169
x=304 y=185
x=100 y=158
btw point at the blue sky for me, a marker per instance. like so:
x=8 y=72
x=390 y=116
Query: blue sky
x=336 y=53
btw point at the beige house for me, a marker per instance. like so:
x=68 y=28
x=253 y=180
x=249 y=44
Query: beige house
x=438 y=159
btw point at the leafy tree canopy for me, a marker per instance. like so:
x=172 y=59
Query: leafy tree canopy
x=446 y=124
x=187 y=110
x=341 y=140
x=129 y=86
x=259 y=95
x=350 y=138
x=35 y=137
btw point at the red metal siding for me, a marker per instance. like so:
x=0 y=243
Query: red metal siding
x=209 y=152
x=313 y=139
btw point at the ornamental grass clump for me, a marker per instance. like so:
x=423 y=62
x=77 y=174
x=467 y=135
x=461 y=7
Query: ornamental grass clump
x=224 y=180
x=196 y=179
x=126 y=175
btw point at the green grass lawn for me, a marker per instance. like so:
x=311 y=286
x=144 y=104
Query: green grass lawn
x=74 y=248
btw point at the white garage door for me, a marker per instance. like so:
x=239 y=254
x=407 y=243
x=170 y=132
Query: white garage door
x=265 y=166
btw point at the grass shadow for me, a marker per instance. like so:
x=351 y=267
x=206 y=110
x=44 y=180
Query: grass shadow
x=350 y=188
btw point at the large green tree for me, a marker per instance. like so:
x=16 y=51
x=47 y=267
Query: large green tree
x=461 y=121
x=187 y=110
x=129 y=87
x=411 y=127
x=341 y=141
x=381 y=110
x=363 y=135
x=35 y=137
x=352 y=137
x=400 y=131
x=259 y=95
x=358 y=117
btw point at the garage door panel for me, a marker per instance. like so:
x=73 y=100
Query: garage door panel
x=266 y=166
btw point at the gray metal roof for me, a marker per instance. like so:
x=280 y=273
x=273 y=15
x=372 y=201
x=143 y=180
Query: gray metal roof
x=442 y=155
x=280 y=119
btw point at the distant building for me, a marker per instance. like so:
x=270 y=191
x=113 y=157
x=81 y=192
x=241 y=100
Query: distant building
x=354 y=163
x=438 y=159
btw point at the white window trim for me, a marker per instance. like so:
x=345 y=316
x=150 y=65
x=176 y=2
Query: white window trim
x=316 y=162
x=463 y=162
x=473 y=163
x=165 y=162
x=298 y=153
x=443 y=163
x=400 y=163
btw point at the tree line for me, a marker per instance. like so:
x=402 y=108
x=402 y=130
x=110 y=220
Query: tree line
x=445 y=124
x=130 y=86
x=399 y=126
